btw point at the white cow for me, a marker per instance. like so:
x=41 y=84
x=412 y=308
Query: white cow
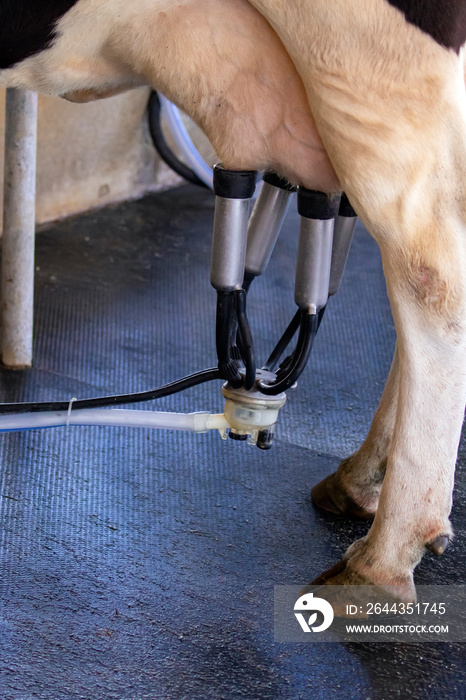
x=360 y=95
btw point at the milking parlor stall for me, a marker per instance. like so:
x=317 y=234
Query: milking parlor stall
x=231 y=338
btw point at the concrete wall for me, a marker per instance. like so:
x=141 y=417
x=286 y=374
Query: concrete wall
x=92 y=154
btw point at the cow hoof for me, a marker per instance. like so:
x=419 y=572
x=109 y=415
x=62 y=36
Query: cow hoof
x=343 y=587
x=340 y=574
x=329 y=495
x=438 y=545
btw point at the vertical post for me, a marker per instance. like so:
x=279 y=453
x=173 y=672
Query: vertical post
x=17 y=289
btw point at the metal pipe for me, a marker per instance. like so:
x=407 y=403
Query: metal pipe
x=343 y=231
x=229 y=243
x=266 y=222
x=233 y=189
x=17 y=291
x=317 y=212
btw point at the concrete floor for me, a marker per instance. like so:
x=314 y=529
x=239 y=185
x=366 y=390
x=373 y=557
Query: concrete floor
x=139 y=564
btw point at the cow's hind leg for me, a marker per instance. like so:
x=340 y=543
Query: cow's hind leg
x=354 y=489
x=390 y=107
x=417 y=215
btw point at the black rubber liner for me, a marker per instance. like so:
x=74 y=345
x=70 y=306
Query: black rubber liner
x=138 y=564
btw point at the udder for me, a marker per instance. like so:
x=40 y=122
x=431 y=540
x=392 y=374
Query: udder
x=223 y=64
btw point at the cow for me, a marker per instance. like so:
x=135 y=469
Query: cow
x=365 y=96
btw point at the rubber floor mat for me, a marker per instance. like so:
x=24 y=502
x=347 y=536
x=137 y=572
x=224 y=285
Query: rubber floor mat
x=138 y=564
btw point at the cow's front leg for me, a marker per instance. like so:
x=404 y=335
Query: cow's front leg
x=354 y=489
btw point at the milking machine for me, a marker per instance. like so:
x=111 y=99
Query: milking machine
x=242 y=245
x=241 y=249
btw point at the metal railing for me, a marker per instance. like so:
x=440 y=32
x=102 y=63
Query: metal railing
x=17 y=287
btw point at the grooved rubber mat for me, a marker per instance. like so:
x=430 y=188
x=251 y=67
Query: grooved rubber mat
x=138 y=564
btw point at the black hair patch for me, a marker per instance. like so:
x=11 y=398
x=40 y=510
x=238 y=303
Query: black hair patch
x=27 y=27
x=444 y=20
